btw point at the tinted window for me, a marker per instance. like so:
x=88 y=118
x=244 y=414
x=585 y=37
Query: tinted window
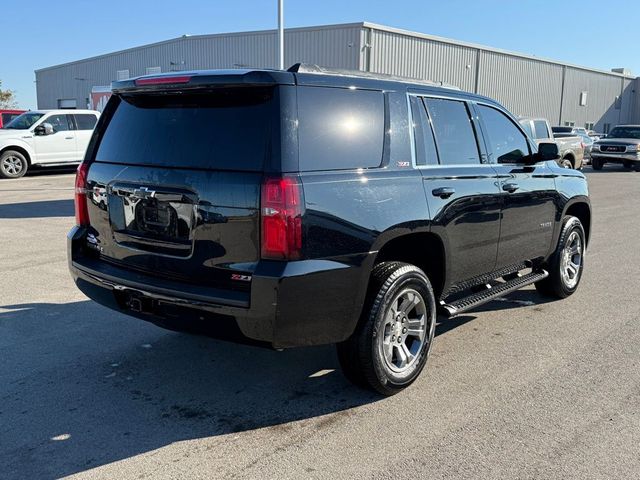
x=340 y=128
x=625 y=132
x=24 y=121
x=229 y=129
x=425 y=145
x=7 y=117
x=85 y=121
x=60 y=123
x=540 y=127
x=454 y=133
x=506 y=142
x=561 y=129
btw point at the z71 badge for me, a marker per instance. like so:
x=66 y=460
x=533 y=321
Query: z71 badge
x=403 y=164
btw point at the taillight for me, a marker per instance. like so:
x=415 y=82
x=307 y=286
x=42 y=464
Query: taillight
x=82 y=213
x=281 y=214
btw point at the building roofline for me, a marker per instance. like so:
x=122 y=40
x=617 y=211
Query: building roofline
x=451 y=41
x=206 y=35
x=364 y=24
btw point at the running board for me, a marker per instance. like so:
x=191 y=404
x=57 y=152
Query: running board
x=496 y=291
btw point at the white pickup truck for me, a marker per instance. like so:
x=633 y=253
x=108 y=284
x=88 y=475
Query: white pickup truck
x=571 y=148
x=46 y=138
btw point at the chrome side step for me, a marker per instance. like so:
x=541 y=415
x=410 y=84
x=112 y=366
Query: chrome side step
x=495 y=291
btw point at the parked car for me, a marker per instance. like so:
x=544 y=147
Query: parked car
x=621 y=145
x=310 y=207
x=44 y=138
x=7 y=115
x=571 y=146
x=587 y=144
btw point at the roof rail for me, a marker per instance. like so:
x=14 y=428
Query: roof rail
x=317 y=69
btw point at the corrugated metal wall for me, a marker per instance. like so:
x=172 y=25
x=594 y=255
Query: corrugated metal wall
x=602 y=90
x=337 y=47
x=421 y=58
x=525 y=85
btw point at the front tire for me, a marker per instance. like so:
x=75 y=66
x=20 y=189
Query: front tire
x=391 y=344
x=13 y=164
x=596 y=164
x=567 y=262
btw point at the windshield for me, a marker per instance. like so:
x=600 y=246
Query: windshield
x=625 y=132
x=24 y=121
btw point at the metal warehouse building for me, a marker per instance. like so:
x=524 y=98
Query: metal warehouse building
x=565 y=94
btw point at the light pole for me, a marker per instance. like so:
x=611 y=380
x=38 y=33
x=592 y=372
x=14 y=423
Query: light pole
x=281 y=34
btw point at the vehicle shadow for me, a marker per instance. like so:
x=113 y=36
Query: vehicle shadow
x=44 y=171
x=82 y=386
x=42 y=209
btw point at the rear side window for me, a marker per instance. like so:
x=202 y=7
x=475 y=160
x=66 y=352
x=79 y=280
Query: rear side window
x=340 y=128
x=507 y=143
x=541 y=129
x=454 y=133
x=426 y=153
x=85 y=121
x=227 y=129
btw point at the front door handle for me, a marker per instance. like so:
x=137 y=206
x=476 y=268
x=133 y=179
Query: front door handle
x=443 y=192
x=510 y=187
x=68 y=138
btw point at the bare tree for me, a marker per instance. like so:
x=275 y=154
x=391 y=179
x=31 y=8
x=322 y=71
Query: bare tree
x=7 y=98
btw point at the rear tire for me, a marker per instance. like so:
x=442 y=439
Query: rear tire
x=566 y=163
x=567 y=262
x=13 y=164
x=596 y=164
x=392 y=341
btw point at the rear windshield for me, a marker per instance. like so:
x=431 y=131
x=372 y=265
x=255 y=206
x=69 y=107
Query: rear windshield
x=225 y=129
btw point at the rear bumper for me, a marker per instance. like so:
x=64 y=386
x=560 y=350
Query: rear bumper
x=309 y=302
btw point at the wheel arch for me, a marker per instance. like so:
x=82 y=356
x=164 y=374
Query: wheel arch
x=425 y=250
x=582 y=210
x=20 y=149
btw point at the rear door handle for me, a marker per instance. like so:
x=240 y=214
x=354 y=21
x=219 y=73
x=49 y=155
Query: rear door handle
x=510 y=187
x=443 y=192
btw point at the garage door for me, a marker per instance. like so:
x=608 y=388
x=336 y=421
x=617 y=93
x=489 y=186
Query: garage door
x=67 y=103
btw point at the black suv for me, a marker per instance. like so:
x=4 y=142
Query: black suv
x=307 y=207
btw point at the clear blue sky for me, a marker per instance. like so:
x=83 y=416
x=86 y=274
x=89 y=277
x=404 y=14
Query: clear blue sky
x=39 y=34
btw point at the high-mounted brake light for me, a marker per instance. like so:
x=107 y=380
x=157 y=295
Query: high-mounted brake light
x=281 y=212
x=82 y=212
x=163 y=80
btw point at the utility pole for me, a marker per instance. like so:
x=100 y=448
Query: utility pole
x=281 y=34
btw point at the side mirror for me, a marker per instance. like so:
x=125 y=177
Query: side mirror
x=547 y=151
x=44 y=129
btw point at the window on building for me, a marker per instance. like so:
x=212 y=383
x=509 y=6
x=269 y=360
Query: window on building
x=506 y=141
x=606 y=127
x=67 y=103
x=426 y=153
x=618 y=102
x=454 y=133
x=122 y=75
x=153 y=70
x=569 y=124
x=589 y=125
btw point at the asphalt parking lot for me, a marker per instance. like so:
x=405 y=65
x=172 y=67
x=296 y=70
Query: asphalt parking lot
x=522 y=388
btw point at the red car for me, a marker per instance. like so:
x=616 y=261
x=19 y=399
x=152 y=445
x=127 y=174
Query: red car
x=7 y=115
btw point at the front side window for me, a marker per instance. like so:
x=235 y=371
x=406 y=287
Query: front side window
x=60 y=123
x=426 y=153
x=541 y=129
x=507 y=143
x=454 y=133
